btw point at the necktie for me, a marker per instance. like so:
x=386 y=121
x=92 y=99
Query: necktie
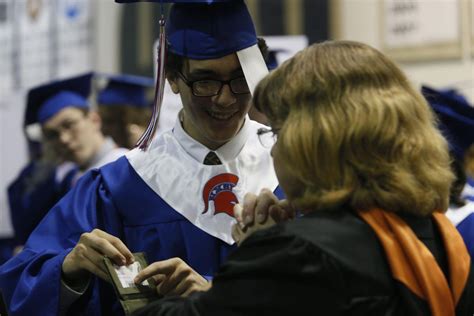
x=212 y=159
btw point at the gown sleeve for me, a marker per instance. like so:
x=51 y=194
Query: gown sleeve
x=31 y=280
x=258 y=277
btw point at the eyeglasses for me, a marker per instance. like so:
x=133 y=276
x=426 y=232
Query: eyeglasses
x=210 y=88
x=266 y=139
x=69 y=126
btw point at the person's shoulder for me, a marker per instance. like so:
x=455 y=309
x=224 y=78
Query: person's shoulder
x=341 y=234
x=333 y=241
x=115 y=170
x=338 y=222
x=119 y=152
x=112 y=156
x=120 y=178
x=112 y=172
x=341 y=225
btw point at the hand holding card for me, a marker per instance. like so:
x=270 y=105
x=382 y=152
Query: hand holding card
x=132 y=296
x=126 y=274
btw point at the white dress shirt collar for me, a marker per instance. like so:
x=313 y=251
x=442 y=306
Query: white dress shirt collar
x=198 y=151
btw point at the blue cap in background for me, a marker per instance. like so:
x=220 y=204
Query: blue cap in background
x=456 y=118
x=272 y=59
x=45 y=101
x=449 y=97
x=126 y=90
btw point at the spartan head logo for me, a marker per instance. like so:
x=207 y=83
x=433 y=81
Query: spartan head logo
x=219 y=190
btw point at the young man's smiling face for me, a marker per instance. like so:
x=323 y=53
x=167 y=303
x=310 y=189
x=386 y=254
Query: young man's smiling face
x=212 y=120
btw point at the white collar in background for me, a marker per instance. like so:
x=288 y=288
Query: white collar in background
x=103 y=151
x=227 y=152
x=457 y=214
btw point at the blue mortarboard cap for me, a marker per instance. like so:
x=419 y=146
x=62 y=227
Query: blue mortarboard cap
x=58 y=102
x=210 y=31
x=450 y=97
x=456 y=96
x=456 y=118
x=45 y=101
x=126 y=90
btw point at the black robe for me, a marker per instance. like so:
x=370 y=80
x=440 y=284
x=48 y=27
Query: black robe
x=326 y=263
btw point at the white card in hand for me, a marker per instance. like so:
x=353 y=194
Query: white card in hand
x=126 y=274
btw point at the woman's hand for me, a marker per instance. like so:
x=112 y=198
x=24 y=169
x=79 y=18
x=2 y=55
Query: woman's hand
x=259 y=212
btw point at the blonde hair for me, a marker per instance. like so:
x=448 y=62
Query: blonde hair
x=355 y=131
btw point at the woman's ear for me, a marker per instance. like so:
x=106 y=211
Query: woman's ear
x=173 y=81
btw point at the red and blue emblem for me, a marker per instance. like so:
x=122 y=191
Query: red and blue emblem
x=219 y=190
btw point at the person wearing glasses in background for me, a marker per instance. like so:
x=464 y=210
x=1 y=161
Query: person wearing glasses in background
x=71 y=143
x=173 y=201
x=358 y=152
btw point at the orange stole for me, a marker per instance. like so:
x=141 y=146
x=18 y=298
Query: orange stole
x=413 y=264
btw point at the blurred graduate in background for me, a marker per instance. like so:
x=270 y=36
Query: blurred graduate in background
x=64 y=140
x=125 y=108
x=456 y=121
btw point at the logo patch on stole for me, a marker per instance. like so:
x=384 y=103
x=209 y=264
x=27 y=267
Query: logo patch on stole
x=219 y=190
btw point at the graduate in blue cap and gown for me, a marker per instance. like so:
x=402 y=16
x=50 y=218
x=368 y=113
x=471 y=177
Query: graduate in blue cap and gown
x=43 y=182
x=39 y=186
x=125 y=108
x=172 y=199
x=456 y=119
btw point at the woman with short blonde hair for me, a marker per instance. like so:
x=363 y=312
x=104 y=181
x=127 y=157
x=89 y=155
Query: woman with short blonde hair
x=356 y=134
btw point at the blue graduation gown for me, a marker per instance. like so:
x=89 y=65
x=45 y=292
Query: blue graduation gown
x=468 y=192
x=29 y=205
x=6 y=249
x=114 y=199
x=466 y=226
x=466 y=229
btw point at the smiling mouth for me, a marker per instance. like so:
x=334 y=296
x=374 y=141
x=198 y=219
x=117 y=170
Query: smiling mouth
x=222 y=116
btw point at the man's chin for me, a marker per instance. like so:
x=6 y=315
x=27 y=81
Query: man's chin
x=220 y=139
x=79 y=160
x=226 y=134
